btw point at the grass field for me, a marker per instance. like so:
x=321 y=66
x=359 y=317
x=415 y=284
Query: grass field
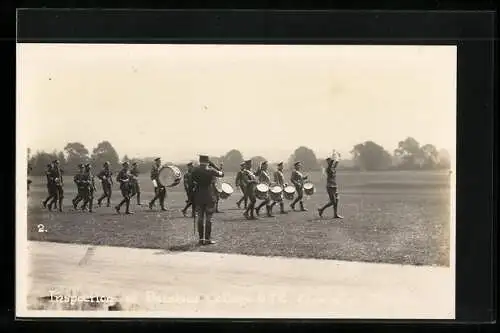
x=393 y=217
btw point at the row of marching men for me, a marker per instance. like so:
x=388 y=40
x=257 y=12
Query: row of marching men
x=85 y=183
x=258 y=186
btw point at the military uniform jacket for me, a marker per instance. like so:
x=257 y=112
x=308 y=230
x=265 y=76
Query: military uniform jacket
x=279 y=178
x=106 y=176
x=188 y=181
x=331 y=176
x=297 y=178
x=134 y=172
x=263 y=177
x=78 y=179
x=123 y=178
x=88 y=180
x=155 y=174
x=239 y=178
x=204 y=178
x=55 y=175
x=250 y=180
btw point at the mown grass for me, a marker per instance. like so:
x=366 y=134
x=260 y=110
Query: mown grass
x=390 y=217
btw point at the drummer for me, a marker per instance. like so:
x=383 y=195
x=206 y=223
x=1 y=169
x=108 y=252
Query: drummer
x=160 y=190
x=297 y=180
x=279 y=179
x=250 y=181
x=264 y=178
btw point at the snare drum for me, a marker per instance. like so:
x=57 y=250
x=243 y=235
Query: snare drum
x=289 y=192
x=225 y=190
x=170 y=176
x=261 y=191
x=309 y=188
x=276 y=193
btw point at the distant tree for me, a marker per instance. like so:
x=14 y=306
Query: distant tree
x=430 y=156
x=444 y=159
x=105 y=152
x=126 y=159
x=76 y=153
x=371 y=156
x=256 y=161
x=410 y=153
x=39 y=161
x=307 y=157
x=232 y=160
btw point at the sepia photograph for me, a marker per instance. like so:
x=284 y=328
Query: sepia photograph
x=235 y=181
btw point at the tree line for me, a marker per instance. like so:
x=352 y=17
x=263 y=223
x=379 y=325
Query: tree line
x=366 y=156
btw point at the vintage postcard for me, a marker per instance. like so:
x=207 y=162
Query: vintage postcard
x=236 y=181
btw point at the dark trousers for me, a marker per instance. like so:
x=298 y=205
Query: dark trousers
x=333 y=197
x=251 y=205
x=189 y=203
x=267 y=203
x=107 y=190
x=88 y=198
x=205 y=213
x=160 y=194
x=52 y=192
x=125 y=189
x=56 y=193
x=300 y=196
x=282 y=205
x=244 y=198
x=136 y=190
x=80 y=195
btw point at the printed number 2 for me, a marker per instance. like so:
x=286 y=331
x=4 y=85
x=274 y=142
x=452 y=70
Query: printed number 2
x=41 y=228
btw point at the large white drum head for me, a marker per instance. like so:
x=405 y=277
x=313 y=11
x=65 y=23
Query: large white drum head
x=276 y=189
x=290 y=189
x=170 y=175
x=262 y=188
x=308 y=186
x=226 y=188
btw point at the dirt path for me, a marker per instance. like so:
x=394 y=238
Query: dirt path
x=219 y=285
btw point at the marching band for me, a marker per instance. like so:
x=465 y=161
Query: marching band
x=253 y=186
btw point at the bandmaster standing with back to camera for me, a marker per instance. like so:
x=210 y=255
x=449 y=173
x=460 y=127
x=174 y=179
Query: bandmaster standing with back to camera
x=205 y=196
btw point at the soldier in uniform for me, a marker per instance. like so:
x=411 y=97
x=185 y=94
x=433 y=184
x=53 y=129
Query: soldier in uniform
x=51 y=189
x=297 y=180
x=123 y=178
x=188 y=187
x=106 y=178
x=331 y=188
x=205 y=197
x=250 y=181
x=279 y=179
x=264 y=178
x=57 y=182
x=160 y=190
x=80 y=186
x=136 y=189
x=29 y=180
x=89 y=188
x=241 y=184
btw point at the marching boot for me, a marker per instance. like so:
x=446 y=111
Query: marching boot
x=302 y=209
x=108 y=204
x=335 y=214
x=127 y=207
x=201 y=232
x=208 y=233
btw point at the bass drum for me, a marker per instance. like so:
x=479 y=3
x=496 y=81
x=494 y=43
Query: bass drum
x=261 y=191
x=225 y=190
x=170 y=176
x=289 y=192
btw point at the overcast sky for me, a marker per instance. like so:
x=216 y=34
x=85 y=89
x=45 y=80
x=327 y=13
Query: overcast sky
x=176 y=101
